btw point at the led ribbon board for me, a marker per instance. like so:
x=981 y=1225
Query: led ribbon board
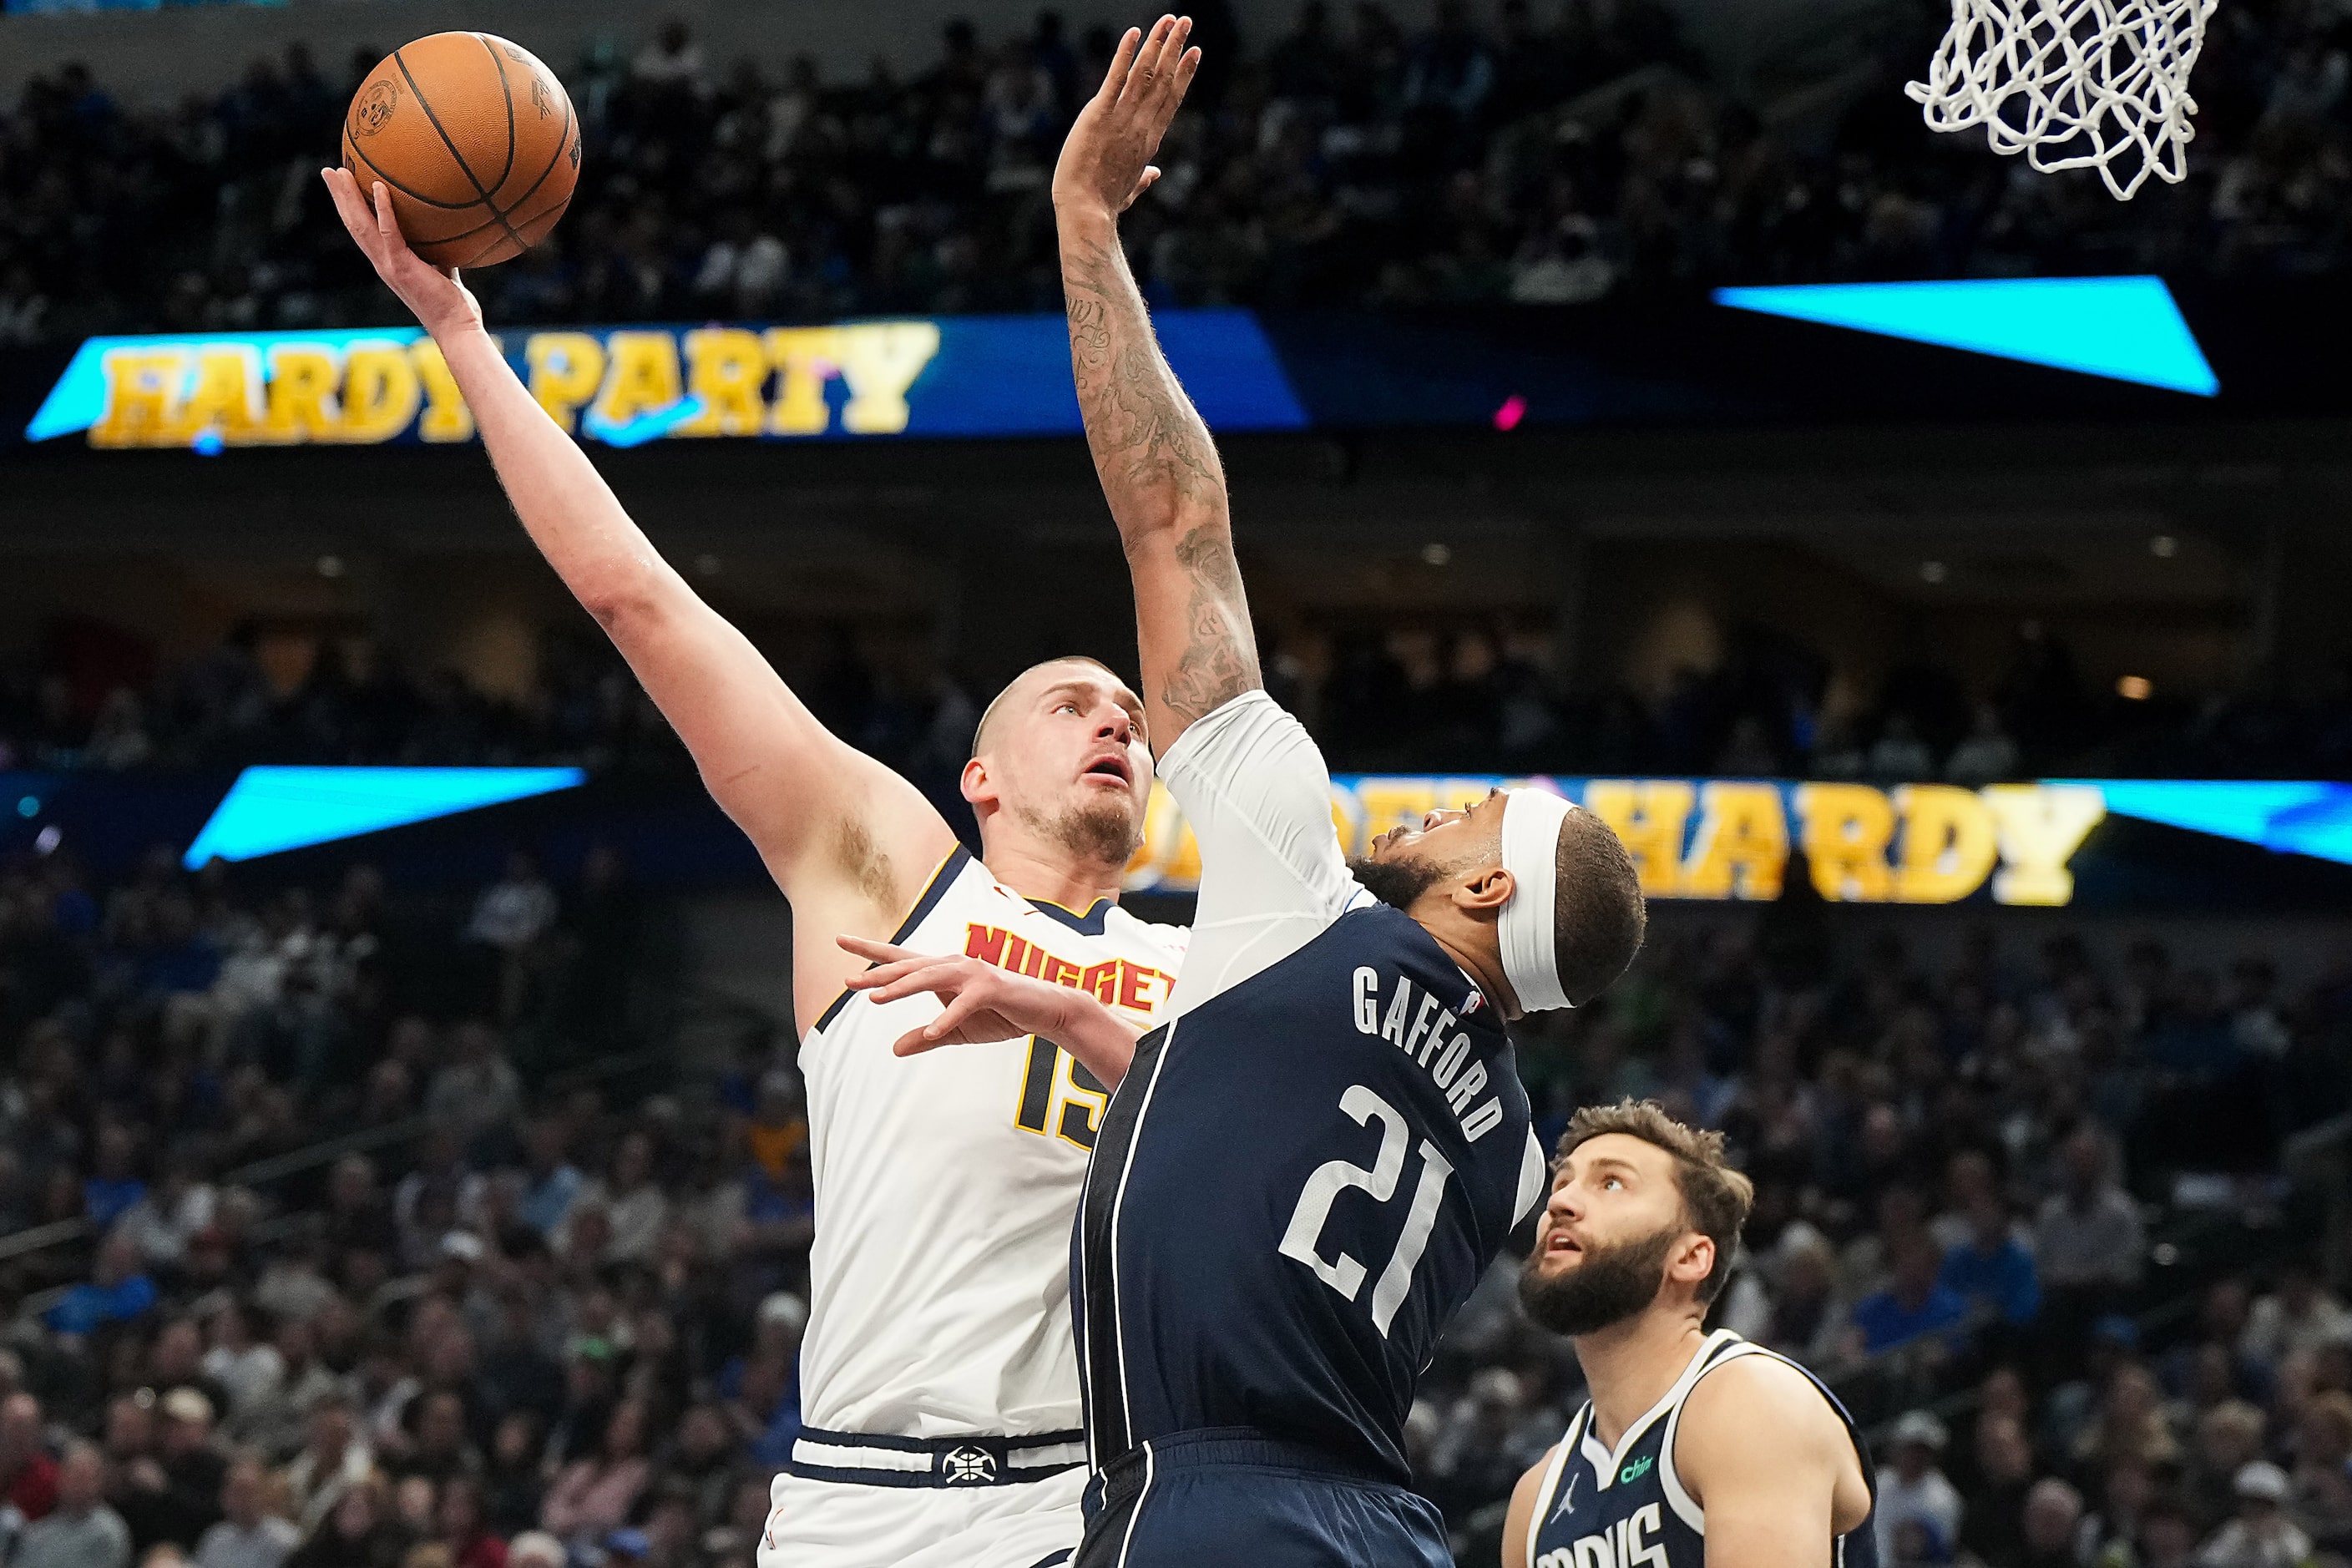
x=2126 y=328
x=1923 y=844
x=268 y=811
x=956 y=376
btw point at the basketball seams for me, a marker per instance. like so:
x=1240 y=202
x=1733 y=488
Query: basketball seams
x=506 y=87
x=353 y=147
x=441 y=131
x=562 y=145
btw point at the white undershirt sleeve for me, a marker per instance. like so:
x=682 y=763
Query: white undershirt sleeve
x=1257 y=796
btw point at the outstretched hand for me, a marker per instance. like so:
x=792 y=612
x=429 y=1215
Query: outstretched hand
x=984 y=1002
x=1106 y=162
x=440 y=301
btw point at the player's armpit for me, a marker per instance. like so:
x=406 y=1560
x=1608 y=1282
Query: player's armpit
x=1770 y=1463
x=1519 y=1523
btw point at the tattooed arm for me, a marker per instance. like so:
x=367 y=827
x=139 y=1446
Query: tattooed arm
x=1158 y=465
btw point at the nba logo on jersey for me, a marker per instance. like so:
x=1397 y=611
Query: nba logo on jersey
x=1633 y=1541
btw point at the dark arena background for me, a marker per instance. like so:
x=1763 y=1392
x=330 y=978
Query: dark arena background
x=1935 y=570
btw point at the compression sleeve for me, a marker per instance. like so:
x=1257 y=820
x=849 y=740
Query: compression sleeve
x=1257 y=796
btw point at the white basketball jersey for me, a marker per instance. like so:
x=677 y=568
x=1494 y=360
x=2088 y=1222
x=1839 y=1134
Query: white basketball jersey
x=946 y=1183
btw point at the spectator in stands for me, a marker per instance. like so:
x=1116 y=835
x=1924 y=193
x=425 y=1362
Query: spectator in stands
x=509 y=919
x=118 y=1291
x=28 y=1476
x=1990 y=1270
x=82 y=1531
x=594 y=1496
x=174 y=1495
x=478 y=1089
x=333 y=1460
x=2053 y=1513
x=2087 y=1241
x=1914 y=1303
x=2300 y=1317
x=248 y=1535
x=2167 y=1539
x=163 y=1219
x=358 y=1532
x=1913 y=1490
x=2229 y=1439
x=2261 y=1536
x=551 y=1183
x=1994 y=1524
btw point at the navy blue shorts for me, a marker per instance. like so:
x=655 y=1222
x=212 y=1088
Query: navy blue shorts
x=1202 y=1500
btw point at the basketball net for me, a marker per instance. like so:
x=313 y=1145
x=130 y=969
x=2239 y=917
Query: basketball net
x=2073 y=84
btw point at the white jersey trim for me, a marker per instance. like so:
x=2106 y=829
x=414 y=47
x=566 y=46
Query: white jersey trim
x=1540 y=1515
x=1119 y=1206
x=1687 y=1507
x=1668 y=1405
x=1535 y=1176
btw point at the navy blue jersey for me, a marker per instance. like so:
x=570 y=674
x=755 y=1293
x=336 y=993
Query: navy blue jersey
x=1627 y=1509
x=1295 y=1187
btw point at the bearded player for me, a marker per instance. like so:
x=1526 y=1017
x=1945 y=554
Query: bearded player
x=1697 y=1449
x=938 y=1378
x=1304 y=1174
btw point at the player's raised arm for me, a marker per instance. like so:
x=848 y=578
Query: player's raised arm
x=1158 y=465
x=848 y=840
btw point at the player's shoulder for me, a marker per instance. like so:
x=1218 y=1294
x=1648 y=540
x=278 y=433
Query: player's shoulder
x=1754 y=1402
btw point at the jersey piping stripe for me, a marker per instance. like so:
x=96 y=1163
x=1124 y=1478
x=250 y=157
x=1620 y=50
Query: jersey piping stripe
x=1087 y=924
x=1118 y=1318
x=942 y=879
x=1103 y=1363
x=1545 y=1492
x=1127 y=1542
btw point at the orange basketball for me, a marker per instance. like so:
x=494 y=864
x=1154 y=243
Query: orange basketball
x=476 y=142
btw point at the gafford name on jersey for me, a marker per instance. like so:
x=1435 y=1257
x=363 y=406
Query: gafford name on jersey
x=1416 y=1022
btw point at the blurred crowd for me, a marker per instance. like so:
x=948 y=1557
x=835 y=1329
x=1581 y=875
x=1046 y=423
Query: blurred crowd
x=330 y=1237
x=347 y=1266
x=1982 y=1211
x=1409 y=696
x=1529 y=150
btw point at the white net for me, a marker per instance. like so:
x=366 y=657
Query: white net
x=2073 y=84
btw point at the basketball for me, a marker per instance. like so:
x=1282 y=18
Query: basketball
x=475 y=139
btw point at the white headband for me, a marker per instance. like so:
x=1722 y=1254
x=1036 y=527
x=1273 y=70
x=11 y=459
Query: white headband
x=1531 y=822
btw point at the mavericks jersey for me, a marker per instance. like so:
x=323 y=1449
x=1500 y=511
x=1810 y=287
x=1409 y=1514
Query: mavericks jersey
x=945 y=1182
x=1301 y=1179
x=1627 y=1508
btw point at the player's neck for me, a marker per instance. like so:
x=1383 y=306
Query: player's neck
x=1630 y=1367
x=1050 y=874
x=1480 y=961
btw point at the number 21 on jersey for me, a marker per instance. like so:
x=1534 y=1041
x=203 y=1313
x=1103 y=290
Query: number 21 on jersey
x=1303 y=1239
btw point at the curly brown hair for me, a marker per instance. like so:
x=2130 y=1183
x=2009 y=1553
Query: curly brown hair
x=1716 y=1197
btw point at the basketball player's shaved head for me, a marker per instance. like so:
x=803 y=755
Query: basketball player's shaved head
x=1045 y=670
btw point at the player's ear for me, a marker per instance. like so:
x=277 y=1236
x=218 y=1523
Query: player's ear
x=1484 y=891
x=975 y=783
x=1694 y=1259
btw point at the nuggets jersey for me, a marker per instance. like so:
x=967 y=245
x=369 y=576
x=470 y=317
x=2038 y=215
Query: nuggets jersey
x=1301 y=1180
x=945 y=1182
x=1626 y=1508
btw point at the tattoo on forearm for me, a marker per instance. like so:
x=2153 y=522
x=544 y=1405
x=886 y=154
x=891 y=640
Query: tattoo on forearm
x=1220 y=657
x=1140 y=426
x=1147 y=440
